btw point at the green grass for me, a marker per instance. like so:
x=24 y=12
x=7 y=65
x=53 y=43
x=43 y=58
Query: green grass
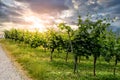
x=38 y=65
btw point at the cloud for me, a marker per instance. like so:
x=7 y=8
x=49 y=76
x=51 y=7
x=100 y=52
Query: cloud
x=45 y=6
x=83 y=7
x=67 y=10
x=7 y=12
x=17 y=8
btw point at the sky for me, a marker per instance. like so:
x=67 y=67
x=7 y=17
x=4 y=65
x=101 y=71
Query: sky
x=31 y=14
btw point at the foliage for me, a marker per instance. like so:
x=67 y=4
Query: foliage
x=36 y=63
x=90 y=38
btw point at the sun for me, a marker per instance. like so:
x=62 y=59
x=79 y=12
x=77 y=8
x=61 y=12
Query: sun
x=35 y=22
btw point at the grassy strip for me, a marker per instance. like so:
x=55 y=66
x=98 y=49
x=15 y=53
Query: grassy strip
x=37 y=64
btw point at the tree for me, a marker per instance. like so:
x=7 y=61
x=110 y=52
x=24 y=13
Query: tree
x=45 y=41
x=81 y=40
x=55 y=42
x=67 y=43
x=113 y=49
x=20 y=35
x=89 y=38
x=116 y=54
x=96 y=43
x=6 y=34
x=35 y=40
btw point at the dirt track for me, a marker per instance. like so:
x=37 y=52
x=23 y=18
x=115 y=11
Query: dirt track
x=7 y=70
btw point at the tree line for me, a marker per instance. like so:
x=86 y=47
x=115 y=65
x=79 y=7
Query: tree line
x=91 y=38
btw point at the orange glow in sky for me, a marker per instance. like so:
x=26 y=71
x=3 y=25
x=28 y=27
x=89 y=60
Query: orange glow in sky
x=36 y=23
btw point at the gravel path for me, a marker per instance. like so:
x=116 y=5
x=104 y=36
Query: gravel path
x=7 y=70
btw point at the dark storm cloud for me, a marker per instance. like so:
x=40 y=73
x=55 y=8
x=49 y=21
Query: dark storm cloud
x=113 y=3
x=3 y=15
x=6 y=12
x=110 y=7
